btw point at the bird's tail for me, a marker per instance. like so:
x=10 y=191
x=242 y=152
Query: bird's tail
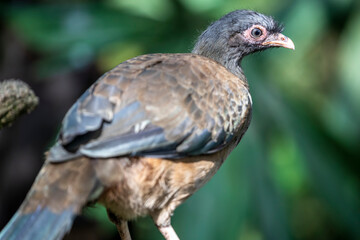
x=57 y=196
x=41 y=224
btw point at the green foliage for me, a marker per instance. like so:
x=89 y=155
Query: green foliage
x=295 y=175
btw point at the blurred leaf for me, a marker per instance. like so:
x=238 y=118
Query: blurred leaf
x=202 y=5
x=298 y=72
x=72 y=35
x=115 y=53
x=339 y=119
x=266 y=200
x=155 y=9
x=287 y=166
x=327 y=177
x=250 y=233
x=264 y=6
x=98 y=212
x=305 y=23
x=349 y=61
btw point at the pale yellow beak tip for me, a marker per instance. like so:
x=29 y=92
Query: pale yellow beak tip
x=280 y=40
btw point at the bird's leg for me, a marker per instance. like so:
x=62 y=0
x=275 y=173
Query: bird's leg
x=168 y=232
x=162 y=221
x=121 y=225
x=123 y=230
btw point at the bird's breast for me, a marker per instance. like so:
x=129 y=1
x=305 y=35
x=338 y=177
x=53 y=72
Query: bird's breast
x=139 y=186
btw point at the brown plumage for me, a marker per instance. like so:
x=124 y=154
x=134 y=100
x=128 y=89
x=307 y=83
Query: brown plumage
x=148 y=133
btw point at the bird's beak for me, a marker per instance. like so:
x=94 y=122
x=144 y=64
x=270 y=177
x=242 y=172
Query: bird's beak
x=279 y=40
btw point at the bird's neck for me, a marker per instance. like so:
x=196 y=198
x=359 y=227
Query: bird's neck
x=231 y=61
x=234 y=66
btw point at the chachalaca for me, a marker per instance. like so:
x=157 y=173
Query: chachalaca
x=149 y=133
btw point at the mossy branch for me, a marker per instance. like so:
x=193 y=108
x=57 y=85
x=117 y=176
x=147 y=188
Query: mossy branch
x=16 y=98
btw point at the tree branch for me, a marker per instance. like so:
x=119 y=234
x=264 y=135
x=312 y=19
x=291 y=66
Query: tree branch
x=16 y=98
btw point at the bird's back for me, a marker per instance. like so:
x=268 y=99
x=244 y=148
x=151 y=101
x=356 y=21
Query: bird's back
x=157 y=105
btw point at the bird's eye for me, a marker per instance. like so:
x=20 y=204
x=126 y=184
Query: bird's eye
x=256 y=32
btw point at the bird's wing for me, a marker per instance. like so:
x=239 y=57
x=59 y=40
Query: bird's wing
x=163 y=105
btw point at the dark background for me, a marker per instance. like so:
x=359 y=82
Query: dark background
x=295 y=175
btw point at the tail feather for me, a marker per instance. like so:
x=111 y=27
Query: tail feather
x=47 y=225
x=56 y=197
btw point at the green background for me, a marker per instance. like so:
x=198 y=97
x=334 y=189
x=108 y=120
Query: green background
x=295 y=174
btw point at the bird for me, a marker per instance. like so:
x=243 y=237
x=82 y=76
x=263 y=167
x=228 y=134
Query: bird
x=149 y=133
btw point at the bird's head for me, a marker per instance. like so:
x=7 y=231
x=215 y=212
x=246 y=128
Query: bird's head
x=238 y=34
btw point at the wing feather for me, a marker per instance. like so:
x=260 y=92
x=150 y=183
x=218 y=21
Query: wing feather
x=164 y=105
